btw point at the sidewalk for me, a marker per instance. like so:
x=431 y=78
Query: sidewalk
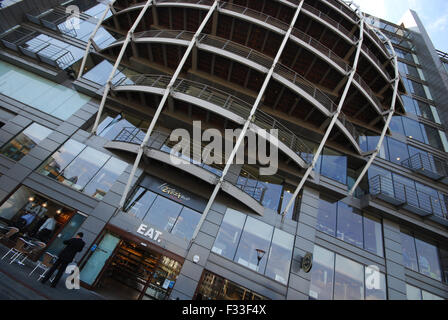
x=15 y=284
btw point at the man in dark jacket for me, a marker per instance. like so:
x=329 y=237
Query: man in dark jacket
x=73 y=246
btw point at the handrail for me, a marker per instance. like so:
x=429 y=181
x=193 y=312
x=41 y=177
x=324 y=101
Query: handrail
x=223 y=100
x=161 y=141
x=383 y=185
x=426 y=162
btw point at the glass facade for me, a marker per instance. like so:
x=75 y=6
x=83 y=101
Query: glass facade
x=334 y=277
x=255 y=245
x=19 y=147
x=350 y=225
x=83 y=168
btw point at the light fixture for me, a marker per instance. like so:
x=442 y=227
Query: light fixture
x=31 y=199
x=44 y=204
x=59 y=211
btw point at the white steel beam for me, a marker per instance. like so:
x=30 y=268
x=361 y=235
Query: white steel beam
x=162 y=102
x=92 y=36
x=248 y=122
x=389 y=118
x=117 y=63
x=332 y=123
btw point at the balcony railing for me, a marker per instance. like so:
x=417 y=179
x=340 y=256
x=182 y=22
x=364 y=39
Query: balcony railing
x=161 y=141
x=427 y=165
x=223 y=100
x=411 y=199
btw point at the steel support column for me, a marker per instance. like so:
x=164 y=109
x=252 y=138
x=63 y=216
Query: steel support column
x=332 y=123
x=248 y=121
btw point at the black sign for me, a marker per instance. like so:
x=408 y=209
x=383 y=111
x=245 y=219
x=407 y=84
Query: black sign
x=174 y=193
x=307 y=262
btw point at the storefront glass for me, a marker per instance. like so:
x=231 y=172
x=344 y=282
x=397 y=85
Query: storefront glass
x=19 y=147
x=40 y=218
x=214 y=287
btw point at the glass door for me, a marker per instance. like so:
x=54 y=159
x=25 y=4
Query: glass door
x=98 y=259
x=67 y=233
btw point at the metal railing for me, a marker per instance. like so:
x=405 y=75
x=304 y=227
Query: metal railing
x=263 y=60
x=223 y=100
x=161 y=141
x=343 y=8
x=381 y=185
x=421 y=161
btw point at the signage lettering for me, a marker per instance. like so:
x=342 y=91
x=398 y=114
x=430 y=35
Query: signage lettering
x=150 y=233
x=165 y=188
x=38 y=210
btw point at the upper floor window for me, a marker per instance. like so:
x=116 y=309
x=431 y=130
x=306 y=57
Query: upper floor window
x=414 y=293
x=25 y=141
x=421 y=256
x=256 y=245
x=336 y=277
x=83 y=168
x=350 y=225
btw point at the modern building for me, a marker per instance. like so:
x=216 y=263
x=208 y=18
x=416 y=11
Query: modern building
x=90 y=93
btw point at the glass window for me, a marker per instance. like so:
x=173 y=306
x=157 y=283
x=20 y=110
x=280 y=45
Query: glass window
x=429 y=296
x=348 y=280
x=334 y=166
x=105 y=178
x=279 y=258
x=413 y=129
x=272 y=194
x=58 y=161
x=254 y=245
x=408 y=252
x=413 y=293
x=140 y=202
x=396 y=125
x=373 y=235
x=326 y=217
x=229 y=234
x=432 y=137
x=78 y=173
x=398 y=151
x=287 y=196
x=428 y=259
x=409 y=105
x=186 y=223
x=19 y=147
x=372 y=142
x=375 y=284
x=322 y=274
x=163 y=213
x=349 y=225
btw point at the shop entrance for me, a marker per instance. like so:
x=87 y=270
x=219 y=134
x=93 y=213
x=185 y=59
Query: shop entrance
x=131 y=271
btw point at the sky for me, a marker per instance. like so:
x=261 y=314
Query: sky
x=433 y=13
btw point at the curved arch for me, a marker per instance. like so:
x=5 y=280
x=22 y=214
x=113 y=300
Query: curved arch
x=221 y=103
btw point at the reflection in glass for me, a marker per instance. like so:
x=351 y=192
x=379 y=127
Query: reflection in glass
x=326 y=217
x=163 y=213
x=256 y=235
x=105 y=178
x=349 y=225
x=428 y=259
x=334 y=166
x=229 y=234
x=140 y=202
x=322 y=274
x=280 y=256
x=408 y=252
x=186 y=223
x=348 y=280
x=19 y=147
x=413 y=293
x=373 y=235
x=58 y=161
x=375 y=284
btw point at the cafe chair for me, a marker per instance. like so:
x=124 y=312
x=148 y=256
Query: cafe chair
x=11 y=231
x=17 y=250
x=46 y=263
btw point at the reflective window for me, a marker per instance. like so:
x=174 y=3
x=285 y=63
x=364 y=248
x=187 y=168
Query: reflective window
x=322 y=274
x=272 y=194
x=19 y=147
x=396 y=125
x=348 y=280
x=229 y=234
x=413 y=293
x=373 y=235
x=334 y=166
x=105 y=178
x=428 y=259
x=375 y=284
x=326 y=217
x=58 y=161
x=287 y=196
x=140 y=202
x=429 y=296
x=349 y=225
x=83 y=168
x=413 y=130
x=398 y=151
x=281 y=250
x=186 y=223
x=409 y=253
x=254 y=245
x=163 y=213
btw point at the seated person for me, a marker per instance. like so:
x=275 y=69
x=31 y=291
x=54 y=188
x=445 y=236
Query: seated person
x=25 y=220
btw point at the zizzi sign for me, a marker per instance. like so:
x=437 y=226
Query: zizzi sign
x=172 y=192
x=150 y=233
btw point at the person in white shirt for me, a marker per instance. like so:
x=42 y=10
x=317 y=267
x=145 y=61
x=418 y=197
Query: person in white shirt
x=46 y=230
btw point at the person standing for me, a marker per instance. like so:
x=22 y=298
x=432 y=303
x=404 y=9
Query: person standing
x=73 y=246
